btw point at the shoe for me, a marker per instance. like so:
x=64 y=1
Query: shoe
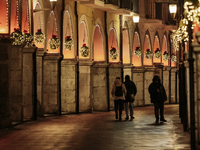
x=132 y=117
x=126 y=118
x=157 y=120
x=163 y=120
x=116 y=116
x=120 y=119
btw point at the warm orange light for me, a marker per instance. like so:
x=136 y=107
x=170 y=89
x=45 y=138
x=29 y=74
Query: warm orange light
x=126 y=52
x=156 y=45
x=136 y=61
x=3 y=17
x=164 y=48
x=146 y=61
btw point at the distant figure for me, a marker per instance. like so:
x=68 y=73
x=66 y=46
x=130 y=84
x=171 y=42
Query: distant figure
x=118 y=92
x=130 y=96
x=158 y=97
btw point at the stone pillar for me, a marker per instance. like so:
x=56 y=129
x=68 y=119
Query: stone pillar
x=173 y=85
x=5 y=114
x=148 y=76
x=114 y=71
x=68 y=86
x=51 y=83
x=100 y=87
x=39 y=67
x=85 y=87
x=27 y=86
x=138 y=79
x=166 y=81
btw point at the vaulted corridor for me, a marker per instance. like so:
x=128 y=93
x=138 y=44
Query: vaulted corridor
x=99 y=131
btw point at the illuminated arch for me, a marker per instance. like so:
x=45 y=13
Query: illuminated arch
x=112 y=42
x=98 y=44
x=155 y=46
x=126 y=51
x=25 y=16
x=38 y=22
x=136 y=61
x=147 y=45
x=68 y=31
x=164 y=48
x=4 y=16
x=52 y=30
x=173 y=64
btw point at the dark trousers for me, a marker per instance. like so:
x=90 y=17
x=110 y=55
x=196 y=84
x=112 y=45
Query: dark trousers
x=158 y=106
x=118 y=106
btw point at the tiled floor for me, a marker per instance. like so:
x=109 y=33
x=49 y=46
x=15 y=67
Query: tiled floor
x=99 y=131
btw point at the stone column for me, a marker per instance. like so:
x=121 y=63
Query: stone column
x=173 y=85
x=51 y=85
x=100 y=87
x=138 y=79
x=114 y=71
x=39 y=67
x=5 y=114
x=27 y=86
x=68 y=86
x=85 y=86
x=166 y=81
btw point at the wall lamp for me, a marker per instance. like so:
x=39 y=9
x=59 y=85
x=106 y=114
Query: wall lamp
x=52 y=3
x=173 y=9
x=136 y=18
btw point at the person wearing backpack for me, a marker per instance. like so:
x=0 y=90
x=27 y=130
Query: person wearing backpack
x=130 y=96
x=118 y=92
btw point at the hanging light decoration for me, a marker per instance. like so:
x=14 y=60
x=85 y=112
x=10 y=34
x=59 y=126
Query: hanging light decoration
x=166 y=56
x=148 y=54
x=173 y=57
x=39 y=37
x=157 y=53
x=113 y=53
x=138 y=51
x=17 y=36
x=84 y=51
x=68 y=43
x=28 y=38
x=54 y=42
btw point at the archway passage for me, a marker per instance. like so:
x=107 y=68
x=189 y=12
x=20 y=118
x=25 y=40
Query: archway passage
x=67 y=32
x=164 y=48
x=83 y=39
x=25 y=16
x=52 y=30
x=38 y=23
x=136 y=61
x=155 y=47
x=98 y=45
x=112 y=42
x=4 y=16
x=146 y=62
x=126 y=51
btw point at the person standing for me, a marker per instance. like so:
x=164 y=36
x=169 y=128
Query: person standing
x=130 y=96
x=118 y=92
x=158 y=97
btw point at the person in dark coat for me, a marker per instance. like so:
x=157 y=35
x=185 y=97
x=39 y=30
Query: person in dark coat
x=158 y=97
x=131 y=89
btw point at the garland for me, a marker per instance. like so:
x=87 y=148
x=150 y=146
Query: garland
x=54 y=42
x=28 y=38
x=113 y=53
x=138 y=51
x=173 y=57
x=166 y=56
x=84 y=51
x=148 y=54
x=17 y=36
x=68 y=43
x=39 y=37
x=157 y=53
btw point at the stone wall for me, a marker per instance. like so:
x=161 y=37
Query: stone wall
x=173 y=85
x=68 y=86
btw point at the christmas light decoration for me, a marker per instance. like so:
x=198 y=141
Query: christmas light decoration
x=68 y=43
x=113 y=53
x=84 y=51
x=138 y=51
x=54 y=42
x=39 y=37
x=157 y=53
x=28 y=38
x=17 y=36
x=166 y=56
x=148 y=54
x=173 y=57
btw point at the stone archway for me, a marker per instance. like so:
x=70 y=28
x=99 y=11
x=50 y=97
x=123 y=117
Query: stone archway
x=126 y=51
x=136 y=61
x=25 y=16
x=155 y=47
x=164 y=48
x=14 y=16
x=147 y=45
x=4 y=16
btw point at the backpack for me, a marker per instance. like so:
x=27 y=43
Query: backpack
x=118 y=91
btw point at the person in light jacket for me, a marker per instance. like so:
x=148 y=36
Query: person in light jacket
x=118 y=92
x=158 y=97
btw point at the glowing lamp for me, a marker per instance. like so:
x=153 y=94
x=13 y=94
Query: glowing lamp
x=172 y=8
x=136 y=19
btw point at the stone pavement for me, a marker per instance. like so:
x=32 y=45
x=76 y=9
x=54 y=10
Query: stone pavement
x=99 y=131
